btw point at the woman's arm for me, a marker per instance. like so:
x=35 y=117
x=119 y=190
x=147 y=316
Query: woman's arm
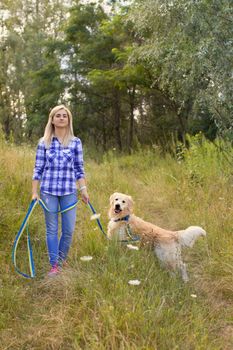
x=38 y=169
x=79 y=171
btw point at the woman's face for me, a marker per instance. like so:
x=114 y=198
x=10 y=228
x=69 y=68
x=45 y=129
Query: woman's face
x=60 y=119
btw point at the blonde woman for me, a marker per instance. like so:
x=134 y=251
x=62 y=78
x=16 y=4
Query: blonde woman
x=58 y=166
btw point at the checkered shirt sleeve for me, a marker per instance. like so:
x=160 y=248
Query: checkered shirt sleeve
x=40 y=162
x=78 y=160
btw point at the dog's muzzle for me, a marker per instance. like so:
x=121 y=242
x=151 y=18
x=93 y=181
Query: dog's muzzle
x=117 y=209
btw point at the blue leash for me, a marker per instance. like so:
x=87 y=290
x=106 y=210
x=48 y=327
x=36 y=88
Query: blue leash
x=98 y=221
x=29 y=246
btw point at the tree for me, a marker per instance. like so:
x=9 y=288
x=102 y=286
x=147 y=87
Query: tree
x=103 y=78
x=30 y=69
x=187 y=47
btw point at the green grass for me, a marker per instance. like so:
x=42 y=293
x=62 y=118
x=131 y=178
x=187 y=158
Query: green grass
x=91 y=305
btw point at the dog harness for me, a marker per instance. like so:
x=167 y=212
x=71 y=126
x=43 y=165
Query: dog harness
x=128 y=229
x=125 y=218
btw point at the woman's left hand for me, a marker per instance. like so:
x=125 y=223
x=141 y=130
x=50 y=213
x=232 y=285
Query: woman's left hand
x=84 y=195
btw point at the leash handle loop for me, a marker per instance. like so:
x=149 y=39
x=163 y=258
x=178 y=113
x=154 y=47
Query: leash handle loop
x=17 y=239
x=24 y=225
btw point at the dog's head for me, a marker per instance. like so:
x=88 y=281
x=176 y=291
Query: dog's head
x=120 y=205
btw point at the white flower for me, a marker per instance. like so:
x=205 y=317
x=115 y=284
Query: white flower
x=193 y=295
x=95 y=216
x=86 y=258
x=134 y=282
x=133 y=247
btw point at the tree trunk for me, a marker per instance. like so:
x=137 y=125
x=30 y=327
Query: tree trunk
x=183 y=119
x=76 y=92
x=37 y=8
x=131 y=121
x=6 y=126
x=117 y=117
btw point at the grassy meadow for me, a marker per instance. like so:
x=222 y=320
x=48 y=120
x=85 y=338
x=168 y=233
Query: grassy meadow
x=90 y=305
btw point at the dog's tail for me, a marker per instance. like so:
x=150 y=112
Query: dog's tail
x=188 y=237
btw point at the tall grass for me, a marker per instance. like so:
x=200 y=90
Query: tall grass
x=91 y=305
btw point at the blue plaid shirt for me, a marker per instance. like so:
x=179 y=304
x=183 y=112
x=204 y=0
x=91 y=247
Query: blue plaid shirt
x=58 y=167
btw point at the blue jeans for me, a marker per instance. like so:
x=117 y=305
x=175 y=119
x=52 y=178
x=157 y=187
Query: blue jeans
x=59 y=248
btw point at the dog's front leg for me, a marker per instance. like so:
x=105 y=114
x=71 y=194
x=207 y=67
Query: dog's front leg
x=111 y=229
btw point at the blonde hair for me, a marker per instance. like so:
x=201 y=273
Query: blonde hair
x=49 y=129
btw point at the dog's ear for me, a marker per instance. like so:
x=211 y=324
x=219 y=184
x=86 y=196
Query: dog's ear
x=130 y=203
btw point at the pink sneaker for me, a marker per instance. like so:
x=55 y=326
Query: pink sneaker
x=54 y=271
x=62 y=264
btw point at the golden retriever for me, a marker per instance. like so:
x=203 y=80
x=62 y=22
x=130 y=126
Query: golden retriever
x=166 y=244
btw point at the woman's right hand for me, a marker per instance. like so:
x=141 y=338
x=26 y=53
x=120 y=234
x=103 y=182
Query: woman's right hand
x=35 y=196
x=85 y=196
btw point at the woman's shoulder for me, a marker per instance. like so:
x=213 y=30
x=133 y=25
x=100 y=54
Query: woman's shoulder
x=76 y=140
x=41 y=142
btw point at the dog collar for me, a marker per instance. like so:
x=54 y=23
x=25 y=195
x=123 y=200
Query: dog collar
x=125 y=218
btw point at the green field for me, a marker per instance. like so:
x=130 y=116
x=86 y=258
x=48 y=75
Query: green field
x=91 y=305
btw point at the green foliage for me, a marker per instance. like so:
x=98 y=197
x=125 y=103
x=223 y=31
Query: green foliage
x=187 y=47
x=203 y=155
x=48 y=88
x=30 y=77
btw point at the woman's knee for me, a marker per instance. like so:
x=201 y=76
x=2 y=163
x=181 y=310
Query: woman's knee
x=68 y=230
x=51 y=225
x=68 y=223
